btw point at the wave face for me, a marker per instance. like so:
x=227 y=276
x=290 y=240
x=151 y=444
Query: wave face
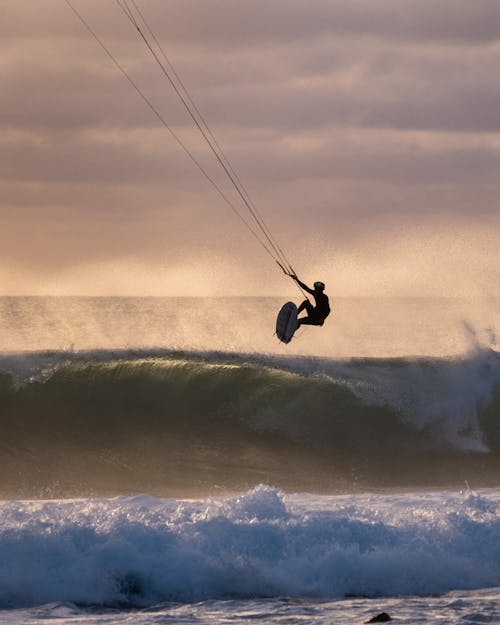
x=191 y=423
x=142 y=551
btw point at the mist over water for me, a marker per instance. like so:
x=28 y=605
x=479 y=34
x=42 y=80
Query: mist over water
x=357 y=327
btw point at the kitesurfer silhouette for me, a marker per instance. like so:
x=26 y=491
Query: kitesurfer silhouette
x=316 y=315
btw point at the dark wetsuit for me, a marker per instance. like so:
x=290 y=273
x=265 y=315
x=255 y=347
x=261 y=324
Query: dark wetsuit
x=316 y=315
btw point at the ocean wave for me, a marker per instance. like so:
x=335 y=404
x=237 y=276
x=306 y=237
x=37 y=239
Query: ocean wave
x=141 y=551
x=137 y=421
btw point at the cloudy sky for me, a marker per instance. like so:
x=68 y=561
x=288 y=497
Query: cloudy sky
x=366 y=132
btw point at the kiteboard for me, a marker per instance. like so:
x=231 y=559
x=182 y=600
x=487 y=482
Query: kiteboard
x=286 y=323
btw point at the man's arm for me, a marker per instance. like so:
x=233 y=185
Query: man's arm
x=301 y=284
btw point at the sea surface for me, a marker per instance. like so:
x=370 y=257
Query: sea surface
x=167 y=460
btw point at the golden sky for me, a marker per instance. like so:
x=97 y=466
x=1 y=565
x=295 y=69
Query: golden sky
x=367 y=133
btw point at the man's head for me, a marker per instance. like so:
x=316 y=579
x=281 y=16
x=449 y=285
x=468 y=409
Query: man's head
x=319 y=286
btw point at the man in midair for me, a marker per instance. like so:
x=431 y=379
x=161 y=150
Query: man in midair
x=316 y=315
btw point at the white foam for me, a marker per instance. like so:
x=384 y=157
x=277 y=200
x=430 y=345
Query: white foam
x=144 y=550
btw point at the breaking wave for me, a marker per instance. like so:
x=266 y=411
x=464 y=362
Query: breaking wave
x=142 y=551
x=108 y=422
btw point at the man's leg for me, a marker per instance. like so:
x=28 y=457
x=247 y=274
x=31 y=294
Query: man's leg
x=306 y=305
x=303 y=306
x=309 y=320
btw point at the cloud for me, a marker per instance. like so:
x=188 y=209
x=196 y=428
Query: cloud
x=349 y=122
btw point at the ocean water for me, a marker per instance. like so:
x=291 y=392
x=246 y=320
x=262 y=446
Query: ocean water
x=167 y=460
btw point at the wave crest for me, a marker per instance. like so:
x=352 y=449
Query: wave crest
x=145 y=420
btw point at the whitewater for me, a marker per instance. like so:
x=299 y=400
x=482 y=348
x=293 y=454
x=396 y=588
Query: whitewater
x=163 y=463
